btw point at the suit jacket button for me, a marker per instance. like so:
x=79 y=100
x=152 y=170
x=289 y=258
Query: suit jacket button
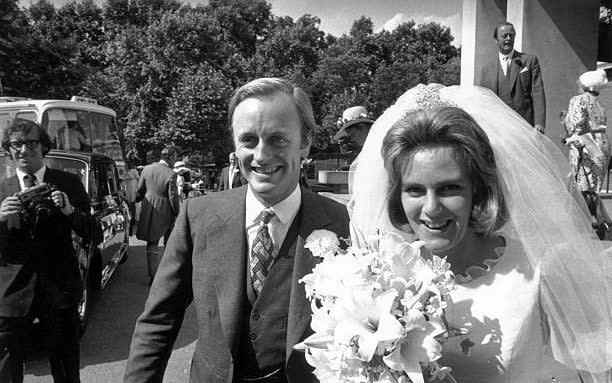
x=255 y=315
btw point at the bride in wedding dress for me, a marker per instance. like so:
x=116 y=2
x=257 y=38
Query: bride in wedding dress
x=458 y=169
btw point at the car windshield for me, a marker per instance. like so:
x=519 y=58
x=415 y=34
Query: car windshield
x=80 y=130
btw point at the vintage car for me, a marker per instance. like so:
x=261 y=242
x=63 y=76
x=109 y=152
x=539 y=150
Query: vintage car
x=108 y=205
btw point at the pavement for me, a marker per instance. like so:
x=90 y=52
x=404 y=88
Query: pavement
x=105 y=344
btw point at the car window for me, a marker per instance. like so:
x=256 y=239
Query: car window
x=7 y=168
x=106 y=178
x=111 y=178
x=5 y=118
x=27 y=116
x=69 y=165
x=68 y=128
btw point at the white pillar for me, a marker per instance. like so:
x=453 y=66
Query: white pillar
x=468 y=41
x=477 y=45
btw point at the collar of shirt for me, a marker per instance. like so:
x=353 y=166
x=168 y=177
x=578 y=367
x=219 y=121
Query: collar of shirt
x=284 y=213
x=39 y=174
x=164 y=163
x=503 y=57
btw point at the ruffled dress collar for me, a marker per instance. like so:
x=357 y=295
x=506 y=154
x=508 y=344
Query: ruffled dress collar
x=476 y=271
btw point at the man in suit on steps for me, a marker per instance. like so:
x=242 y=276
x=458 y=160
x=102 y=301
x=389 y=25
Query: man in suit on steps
x=516 y=78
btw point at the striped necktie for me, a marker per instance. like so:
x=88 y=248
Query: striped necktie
x=261 y=252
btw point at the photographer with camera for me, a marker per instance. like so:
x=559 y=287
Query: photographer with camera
x=39 y=272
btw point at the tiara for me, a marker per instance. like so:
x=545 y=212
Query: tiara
x=424 y=97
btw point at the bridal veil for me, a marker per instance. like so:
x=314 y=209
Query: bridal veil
x=545 y=213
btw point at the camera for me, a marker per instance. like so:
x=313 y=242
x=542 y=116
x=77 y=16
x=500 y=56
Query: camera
x=37 y=204
x=34 y=195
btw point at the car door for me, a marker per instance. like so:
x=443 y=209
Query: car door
x=114 y=215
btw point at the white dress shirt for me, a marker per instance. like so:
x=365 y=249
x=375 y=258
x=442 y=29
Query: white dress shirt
x=39 y=174
x=284 y=213
x=504 y=61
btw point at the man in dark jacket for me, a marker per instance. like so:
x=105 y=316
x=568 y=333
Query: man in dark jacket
x=158 y=193
x=39 y=272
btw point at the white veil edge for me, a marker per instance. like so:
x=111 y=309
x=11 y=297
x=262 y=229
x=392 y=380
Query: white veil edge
x=550 y=221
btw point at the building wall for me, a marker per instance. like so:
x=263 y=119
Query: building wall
x=563 y=34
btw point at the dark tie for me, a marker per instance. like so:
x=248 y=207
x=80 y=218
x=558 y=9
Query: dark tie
x=261 y=252
x=29 y=180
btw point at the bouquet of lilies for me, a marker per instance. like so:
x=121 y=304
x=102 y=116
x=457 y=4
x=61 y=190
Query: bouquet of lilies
x=377 y=311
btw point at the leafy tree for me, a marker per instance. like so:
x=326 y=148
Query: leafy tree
x=197 y=112
x=291 y=47
x=245 y=22
x=12 y=29
x=119 y=13
x=145 y=64
x=362 y=28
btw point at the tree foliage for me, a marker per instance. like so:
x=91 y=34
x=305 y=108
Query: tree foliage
x=168 y=70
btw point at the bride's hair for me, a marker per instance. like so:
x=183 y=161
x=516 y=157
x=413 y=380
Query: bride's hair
x=445 y=127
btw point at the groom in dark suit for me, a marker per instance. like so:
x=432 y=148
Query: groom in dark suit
x=516 y=78
x=239 y=255
x=39 y=272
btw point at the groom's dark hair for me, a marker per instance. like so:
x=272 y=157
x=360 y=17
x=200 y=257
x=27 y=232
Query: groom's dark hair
x=445 y=127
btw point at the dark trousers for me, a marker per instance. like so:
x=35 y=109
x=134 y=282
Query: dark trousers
x=60 y=328
x=13 y=333
x=60 y=333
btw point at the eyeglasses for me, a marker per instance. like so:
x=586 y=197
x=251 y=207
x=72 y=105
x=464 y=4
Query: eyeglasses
x=30 y=144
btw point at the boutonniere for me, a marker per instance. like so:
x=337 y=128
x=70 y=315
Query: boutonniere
x=518 y=61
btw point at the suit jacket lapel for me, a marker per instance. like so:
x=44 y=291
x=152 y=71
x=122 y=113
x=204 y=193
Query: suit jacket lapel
x=313 y=218
x=49 y=175
x=227 y=245
x=515 y=68
x=492 y=75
